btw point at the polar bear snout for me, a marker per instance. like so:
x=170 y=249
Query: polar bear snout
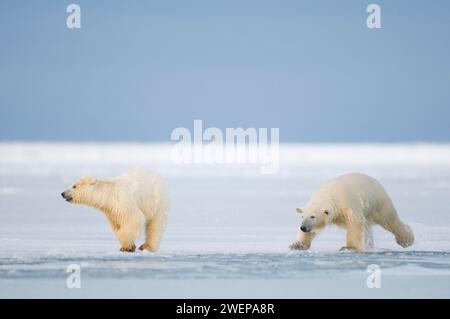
x=311 y=224
x=305 y=229
x=67 y=197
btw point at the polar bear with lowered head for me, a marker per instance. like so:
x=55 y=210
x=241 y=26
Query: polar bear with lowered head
x=131 y=202
x=356 y=202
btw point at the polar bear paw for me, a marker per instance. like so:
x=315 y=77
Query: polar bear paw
x=130 y=249
x=146 y=246
x=349 y=248
x=298 y=246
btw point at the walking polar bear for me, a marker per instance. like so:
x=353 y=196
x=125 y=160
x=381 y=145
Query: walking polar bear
x=131 y=201
x=356 y=202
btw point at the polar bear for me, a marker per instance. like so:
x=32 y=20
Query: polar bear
x=130 y=201
x=354 y=201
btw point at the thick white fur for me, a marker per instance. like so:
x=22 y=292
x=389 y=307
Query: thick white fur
x=356 y=202
x=131 y=201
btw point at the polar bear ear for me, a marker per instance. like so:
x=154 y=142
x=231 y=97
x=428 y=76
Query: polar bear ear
x=299 y=210
x=93 y=182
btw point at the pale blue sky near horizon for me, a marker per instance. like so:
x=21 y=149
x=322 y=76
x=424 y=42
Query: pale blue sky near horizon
x=138 y=69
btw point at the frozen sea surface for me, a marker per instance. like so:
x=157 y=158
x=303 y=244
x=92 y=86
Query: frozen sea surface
x=229 y=226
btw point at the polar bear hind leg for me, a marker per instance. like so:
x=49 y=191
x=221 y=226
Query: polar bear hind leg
x=404 y=235
x=154 y=230
x=389 y=220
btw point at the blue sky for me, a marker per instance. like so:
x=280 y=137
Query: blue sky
x=138 y=69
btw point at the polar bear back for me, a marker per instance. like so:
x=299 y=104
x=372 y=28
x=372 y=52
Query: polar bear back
x=147 y=191
x=357 y=192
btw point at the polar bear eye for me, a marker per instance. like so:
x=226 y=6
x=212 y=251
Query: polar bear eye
x=74 y=186
x=312 y=217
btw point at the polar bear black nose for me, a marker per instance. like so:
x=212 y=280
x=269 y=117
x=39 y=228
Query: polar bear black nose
x=304 y=229
x=62 y=194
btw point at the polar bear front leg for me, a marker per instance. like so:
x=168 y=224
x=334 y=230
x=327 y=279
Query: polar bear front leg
x=128 y=232
x=303 y=241
x=355 y=238
x=369 y=238
x=126 y=237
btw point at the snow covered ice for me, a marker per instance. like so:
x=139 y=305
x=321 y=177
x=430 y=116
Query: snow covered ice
x=229 y=227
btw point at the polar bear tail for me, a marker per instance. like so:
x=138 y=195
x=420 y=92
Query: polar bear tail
x=404 y=236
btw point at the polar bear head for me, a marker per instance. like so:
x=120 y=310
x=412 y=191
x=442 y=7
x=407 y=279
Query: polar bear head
x=314 y=219
x=82 y=192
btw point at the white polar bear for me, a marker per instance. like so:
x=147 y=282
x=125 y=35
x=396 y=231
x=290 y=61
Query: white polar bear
x=356 y=202
x=134 y=199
